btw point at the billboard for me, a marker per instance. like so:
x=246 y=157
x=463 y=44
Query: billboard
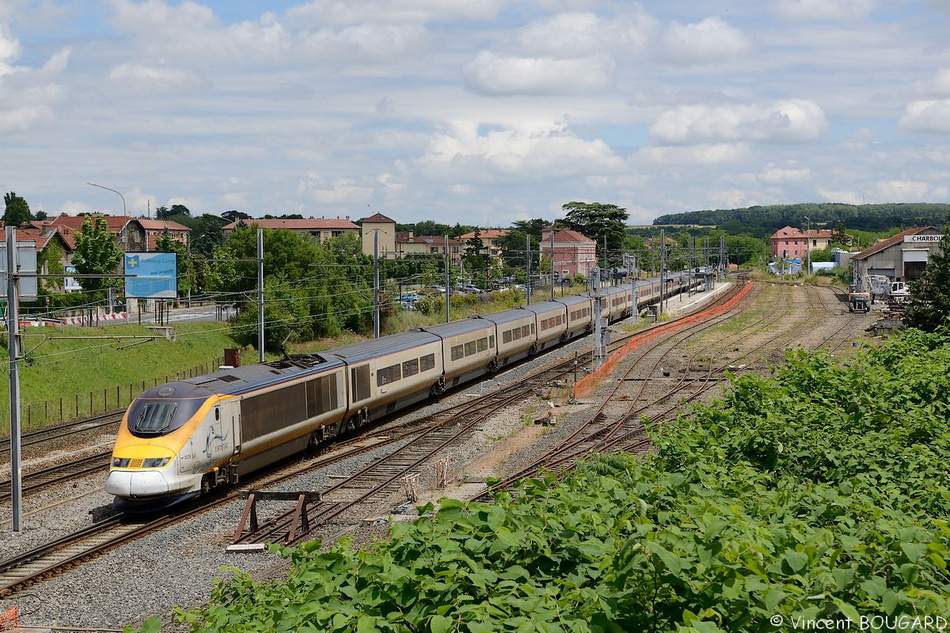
x=151 y=275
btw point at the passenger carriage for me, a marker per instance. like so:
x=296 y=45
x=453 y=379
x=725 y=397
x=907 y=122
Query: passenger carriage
x=389 y=373
x=515 y=334
x=551 y=323
x=580 y=315
x=468 y=350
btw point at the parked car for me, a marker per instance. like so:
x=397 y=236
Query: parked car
x=469 y=288
x=437 y=288
x=408 y=297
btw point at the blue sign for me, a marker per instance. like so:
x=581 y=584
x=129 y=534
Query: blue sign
x=155 y=275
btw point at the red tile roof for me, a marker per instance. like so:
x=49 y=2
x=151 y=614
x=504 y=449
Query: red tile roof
x=378 y=218
x=306 y=224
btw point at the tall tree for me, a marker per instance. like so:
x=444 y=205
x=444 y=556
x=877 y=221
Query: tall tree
x=96 y=253
x=601 y=223
x=929 y=305
x=17 y=210
x=476 y=259
x=234 y=215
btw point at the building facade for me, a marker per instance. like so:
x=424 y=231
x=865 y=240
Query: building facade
x=573 y=252
x=320 y=229
x=901 y=257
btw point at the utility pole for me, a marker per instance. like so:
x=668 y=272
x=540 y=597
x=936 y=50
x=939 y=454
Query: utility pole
x=552 y=263
x=598 y=321
x=630 y=263
x=13 y=344
x=448 y=279
x=662 y=270
x=807 y=245
x=527 y=262
x=375 y=283
x=260 y=295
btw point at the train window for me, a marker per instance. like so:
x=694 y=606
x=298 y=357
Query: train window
x=506 y=336
x=482 y=344
x=217 y=413
x=148 y=418
x=491 y=341
x=386 y=375
x=526 y=330
x=359 y=378
x=427 y=362
x=458 y=352
x=410 y=367
x=470 y=348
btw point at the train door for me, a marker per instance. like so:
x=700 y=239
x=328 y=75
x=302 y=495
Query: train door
x=228 y=415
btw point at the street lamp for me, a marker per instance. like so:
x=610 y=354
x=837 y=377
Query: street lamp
x=113 y=191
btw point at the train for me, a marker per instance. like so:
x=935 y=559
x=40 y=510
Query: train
x=180 y=440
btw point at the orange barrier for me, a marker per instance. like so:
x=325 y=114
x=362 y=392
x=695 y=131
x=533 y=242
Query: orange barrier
x=10 y=619
x=588 y=383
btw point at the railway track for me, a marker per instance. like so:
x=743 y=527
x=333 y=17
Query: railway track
x=411 y=447
x=604 y=432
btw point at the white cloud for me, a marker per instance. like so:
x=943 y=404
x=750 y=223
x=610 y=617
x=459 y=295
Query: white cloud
x=150 y=80
x=465 y=155
x=317 y=189
x=710 y=41
x=846 y=10
x=494 y=74
x=585 y=34
x=902 y=191
x=395 y=11
x=700 y=154
x=774 y=175
x=791 y=121
x=927 y=116
x=9 y=50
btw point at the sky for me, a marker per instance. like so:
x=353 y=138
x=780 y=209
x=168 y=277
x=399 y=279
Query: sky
x=477 y=112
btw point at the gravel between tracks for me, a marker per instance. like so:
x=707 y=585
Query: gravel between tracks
x=178 y=566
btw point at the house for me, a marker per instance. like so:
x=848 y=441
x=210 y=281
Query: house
x=53 y=252
x=792 y=243
x=489 y=238
x=408 y=244
x=573 y=252
x=379 y=236
x=320 y=229
x=133 y=235
x=901 y=257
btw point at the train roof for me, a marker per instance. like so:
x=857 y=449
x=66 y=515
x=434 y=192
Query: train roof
x=357 y=352
x=574 y=300
x=235 y=380
x=506 y=316
x=454 y=328
x=545 y=306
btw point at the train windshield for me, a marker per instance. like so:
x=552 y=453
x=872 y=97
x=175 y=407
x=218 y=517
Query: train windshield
x=153 y=417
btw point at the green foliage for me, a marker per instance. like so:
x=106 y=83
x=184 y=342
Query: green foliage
x=96 y=254
x=601 y=223
x=929 y=305
x=16 y=211
x=762 y=221
x=822 y=493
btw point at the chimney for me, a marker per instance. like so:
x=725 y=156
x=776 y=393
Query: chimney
x=47 y=228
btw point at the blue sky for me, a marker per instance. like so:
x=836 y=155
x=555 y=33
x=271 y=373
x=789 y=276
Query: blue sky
x=472 y=111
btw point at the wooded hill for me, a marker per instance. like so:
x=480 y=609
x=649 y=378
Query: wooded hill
x=763 y=221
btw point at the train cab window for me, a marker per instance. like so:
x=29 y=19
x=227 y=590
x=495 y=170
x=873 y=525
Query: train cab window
x=156 y=417
x=410 y=367
x=427 y=362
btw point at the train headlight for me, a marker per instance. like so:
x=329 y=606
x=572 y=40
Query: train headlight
x=155 y=462
x=120 y=462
